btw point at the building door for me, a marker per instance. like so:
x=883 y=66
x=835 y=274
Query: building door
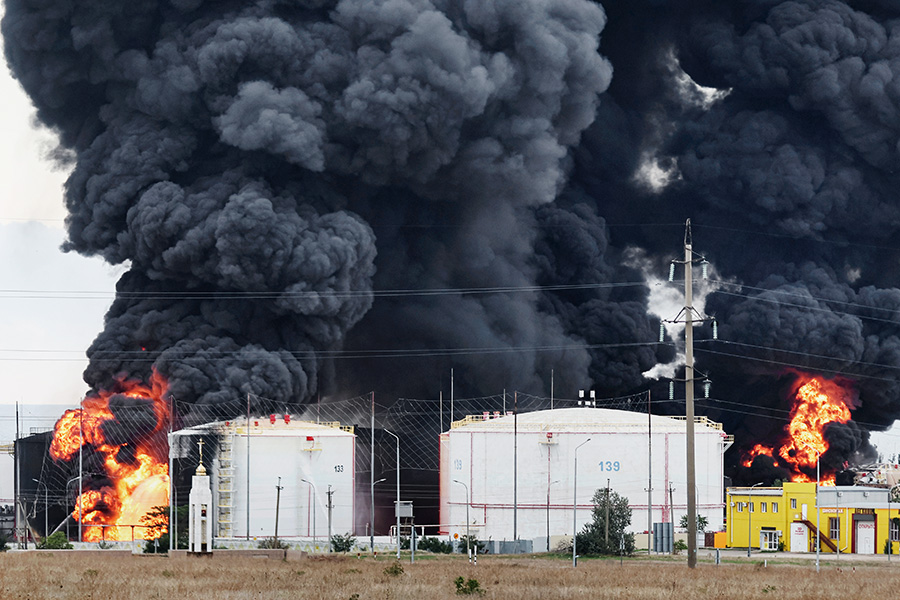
x=799 y=538
x=768 y=540
x=803 y=511
x=865 y=537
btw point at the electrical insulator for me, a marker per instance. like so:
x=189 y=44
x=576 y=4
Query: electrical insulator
x=662 y=331
x=671 y=271
x=671 y=390
x=706 y=385
x=715 y=330
x=704 y=269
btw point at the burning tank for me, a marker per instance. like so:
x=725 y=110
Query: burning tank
x=119 y=436
x=817 y=403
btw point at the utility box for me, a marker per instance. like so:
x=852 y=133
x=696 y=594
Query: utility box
x=403 y=509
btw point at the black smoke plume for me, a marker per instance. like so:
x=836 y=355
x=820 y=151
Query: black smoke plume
x=267 y=169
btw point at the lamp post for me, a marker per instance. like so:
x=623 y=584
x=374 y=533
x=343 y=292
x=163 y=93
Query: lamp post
x=548 y=513
x=372 y=531
x=750 y=518
x=575 y=504
x=315 y=540
x=397 y=503
x=468 y=499
x=46 y=505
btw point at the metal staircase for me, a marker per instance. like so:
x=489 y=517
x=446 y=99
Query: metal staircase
x=225 y=489
x=822 y=537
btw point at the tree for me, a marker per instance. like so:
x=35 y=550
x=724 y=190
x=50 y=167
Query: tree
x=157 y=523
x=593 y=539
x=702 y=523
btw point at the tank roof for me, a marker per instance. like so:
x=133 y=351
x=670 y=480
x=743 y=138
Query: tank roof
x=281 y=427
x=583 y=419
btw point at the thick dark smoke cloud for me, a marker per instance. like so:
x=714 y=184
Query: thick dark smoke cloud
x=264 y=167
x=249 y=161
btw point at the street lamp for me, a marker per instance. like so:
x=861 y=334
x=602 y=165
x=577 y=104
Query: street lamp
x=750 y=518
x=575 y=504
x=46 y=505
x=468 y=550
x=315 y=539
x=372 y=531
x=397 y=503
x=548 y=513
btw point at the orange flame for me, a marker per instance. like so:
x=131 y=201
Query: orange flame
x=134 y=482
x=817 y=403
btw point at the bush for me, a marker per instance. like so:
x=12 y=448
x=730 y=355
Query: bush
x=3 y=543
x=342 y=543
x=679 y=546
x=56 y=541
x=433 y=544
x=271 y=543
x=394 y=570
x=465 y=587
x=473 y=543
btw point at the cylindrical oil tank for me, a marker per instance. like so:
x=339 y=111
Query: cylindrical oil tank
x=311 y=460
x=477 y=471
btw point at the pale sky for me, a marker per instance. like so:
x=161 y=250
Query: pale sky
x=44 y=331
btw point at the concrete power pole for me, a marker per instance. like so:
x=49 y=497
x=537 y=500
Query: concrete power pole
x=278 y=488
x=689 y=397
x=690 y=315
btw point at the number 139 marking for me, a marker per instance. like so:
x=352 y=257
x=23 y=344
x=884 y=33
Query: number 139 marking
x=609 y=465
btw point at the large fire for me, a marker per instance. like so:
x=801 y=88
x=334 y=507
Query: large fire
x=817 y=403
x=135 y=474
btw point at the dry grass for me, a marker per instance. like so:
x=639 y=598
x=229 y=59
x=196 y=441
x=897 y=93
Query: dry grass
x=35 y=576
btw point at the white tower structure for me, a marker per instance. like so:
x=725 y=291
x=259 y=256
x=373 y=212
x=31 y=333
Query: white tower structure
x=200 y=500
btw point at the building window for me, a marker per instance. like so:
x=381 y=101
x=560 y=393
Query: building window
x=751 y=506
x=793 y=504
x=762 y=507
x=895 y=530
x=740 y=506
x=834 y=528
x=774 y=507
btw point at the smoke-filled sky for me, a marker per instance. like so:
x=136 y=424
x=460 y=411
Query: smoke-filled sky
x=266 y=176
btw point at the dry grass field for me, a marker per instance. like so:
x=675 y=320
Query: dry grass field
x=34 y=576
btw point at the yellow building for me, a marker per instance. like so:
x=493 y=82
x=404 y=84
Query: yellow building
x=849 y=519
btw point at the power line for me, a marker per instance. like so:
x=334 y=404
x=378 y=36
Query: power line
x=151 y=357
x=267 y=295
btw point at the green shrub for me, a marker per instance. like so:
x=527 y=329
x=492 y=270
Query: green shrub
x=342 y=543
x=55 y=541
x=3 y=543
x=271 y=543
x=472 y=543
x=433 y=544
x=467 y=587
x=394 y=570
x=679 y=546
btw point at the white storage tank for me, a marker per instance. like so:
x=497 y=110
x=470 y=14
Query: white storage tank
x=477 y=458
x=310 y=458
